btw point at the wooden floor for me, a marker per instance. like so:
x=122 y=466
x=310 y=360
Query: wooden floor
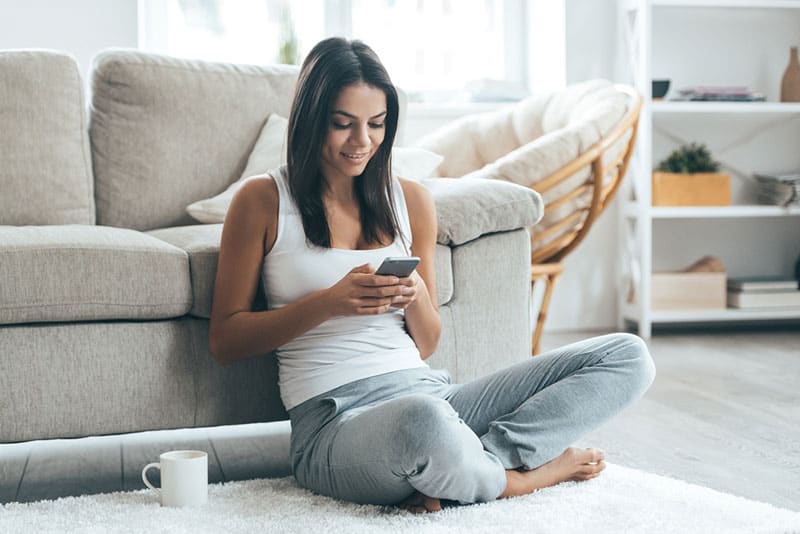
x=723 y=412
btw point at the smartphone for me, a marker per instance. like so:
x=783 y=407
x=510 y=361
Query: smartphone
x=400 y=266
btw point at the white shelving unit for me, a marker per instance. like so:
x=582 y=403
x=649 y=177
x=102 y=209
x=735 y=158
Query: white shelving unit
x=706 y=42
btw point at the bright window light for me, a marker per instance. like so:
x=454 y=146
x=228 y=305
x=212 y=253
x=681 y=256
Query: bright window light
x=436 y=50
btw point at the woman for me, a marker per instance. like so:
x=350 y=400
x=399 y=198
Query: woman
x=371 y=422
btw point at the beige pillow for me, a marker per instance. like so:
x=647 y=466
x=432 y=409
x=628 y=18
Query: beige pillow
x=269 y=152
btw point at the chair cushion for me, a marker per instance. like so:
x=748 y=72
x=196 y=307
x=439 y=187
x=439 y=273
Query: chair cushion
x=166 y=132
x=46 y=173
x=596 y=101
x=470 y=142
x=87 y=273
x=201 y=243
x=506 y=143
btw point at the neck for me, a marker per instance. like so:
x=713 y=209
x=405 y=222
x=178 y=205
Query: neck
x=339 y=191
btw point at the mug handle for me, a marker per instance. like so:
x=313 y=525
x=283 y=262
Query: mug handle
x=144 y=475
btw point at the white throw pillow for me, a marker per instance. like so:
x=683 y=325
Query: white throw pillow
x=414 y=163
x=269 y=152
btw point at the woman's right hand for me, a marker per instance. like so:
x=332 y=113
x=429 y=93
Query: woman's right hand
x=361 y=292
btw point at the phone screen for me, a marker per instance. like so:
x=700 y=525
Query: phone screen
x=400 y=267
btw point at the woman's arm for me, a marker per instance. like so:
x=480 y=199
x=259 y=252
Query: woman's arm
x=236 y=332
x=422 y=313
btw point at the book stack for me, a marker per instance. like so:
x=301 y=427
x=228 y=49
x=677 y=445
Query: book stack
x=763 y=292
x=778 y=189
x=719 y=94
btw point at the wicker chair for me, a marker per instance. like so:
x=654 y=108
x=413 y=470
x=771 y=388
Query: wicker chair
x=572 y=146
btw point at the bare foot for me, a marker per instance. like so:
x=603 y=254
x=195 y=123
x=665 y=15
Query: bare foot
x=419 y=503
x=572 y=464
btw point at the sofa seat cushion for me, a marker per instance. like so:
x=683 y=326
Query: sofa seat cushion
x=201 y=243
x=86 y=273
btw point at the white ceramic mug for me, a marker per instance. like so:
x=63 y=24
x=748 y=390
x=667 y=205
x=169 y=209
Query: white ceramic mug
x=184 y=478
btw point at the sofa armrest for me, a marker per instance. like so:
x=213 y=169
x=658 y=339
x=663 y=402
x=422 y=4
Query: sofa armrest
x=468 y=208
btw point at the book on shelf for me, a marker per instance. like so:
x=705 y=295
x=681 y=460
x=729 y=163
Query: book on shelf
x=762 y=283
x=764 y=299
x=719 y=94
x=778 y=189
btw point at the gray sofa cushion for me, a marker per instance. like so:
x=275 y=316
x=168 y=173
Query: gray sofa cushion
x=201 y=243
x=46 y=174
x=167 y=132
x=86 y=273
x=468 y=208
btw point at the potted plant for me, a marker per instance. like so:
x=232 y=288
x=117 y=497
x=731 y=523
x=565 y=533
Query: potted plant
x=689 y=176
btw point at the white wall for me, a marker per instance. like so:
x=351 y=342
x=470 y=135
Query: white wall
x=584 y=296
x=80 y=27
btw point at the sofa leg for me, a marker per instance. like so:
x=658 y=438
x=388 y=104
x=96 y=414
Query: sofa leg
x=547 y=273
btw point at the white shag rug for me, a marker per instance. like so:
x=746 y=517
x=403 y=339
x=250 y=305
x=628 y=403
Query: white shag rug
x=621 y=500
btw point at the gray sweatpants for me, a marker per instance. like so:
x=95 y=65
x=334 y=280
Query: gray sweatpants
x=378 y=439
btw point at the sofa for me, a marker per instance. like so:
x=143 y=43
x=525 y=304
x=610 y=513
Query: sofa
x=106 y=283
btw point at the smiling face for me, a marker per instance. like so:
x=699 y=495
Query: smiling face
x=356 y=128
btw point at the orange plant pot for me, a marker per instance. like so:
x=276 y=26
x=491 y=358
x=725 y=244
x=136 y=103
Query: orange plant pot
x=695 y=189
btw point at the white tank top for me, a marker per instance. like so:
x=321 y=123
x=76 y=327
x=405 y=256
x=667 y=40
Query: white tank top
x=343 y=348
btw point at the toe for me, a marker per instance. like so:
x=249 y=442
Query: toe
x=433 y=505
x=595 y=455
x=589 y=469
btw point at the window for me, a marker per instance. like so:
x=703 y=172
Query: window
x=238 y=31
x=436 y=50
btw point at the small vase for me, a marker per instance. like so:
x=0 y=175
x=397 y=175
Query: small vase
x=790 y=83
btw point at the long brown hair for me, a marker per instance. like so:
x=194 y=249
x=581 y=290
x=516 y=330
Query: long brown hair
x=332 y=65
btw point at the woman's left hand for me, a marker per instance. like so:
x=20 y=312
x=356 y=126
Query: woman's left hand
x=412 y=284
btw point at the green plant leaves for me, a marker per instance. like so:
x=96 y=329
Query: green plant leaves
x=689 y=158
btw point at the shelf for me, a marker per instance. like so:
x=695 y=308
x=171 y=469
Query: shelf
x=764 y=108
x=756 y=4
x=728 y=314
x=722 y=40
x=713 y=212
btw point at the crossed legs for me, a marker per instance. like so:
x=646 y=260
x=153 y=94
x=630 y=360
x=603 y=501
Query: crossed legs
x=501 y=435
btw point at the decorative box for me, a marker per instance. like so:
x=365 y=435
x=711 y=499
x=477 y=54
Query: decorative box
x=688 y=291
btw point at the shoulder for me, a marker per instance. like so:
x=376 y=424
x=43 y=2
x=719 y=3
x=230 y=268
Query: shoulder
x=421 y=209
x=258 y=195
x=254 y=210
x=418 y=198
